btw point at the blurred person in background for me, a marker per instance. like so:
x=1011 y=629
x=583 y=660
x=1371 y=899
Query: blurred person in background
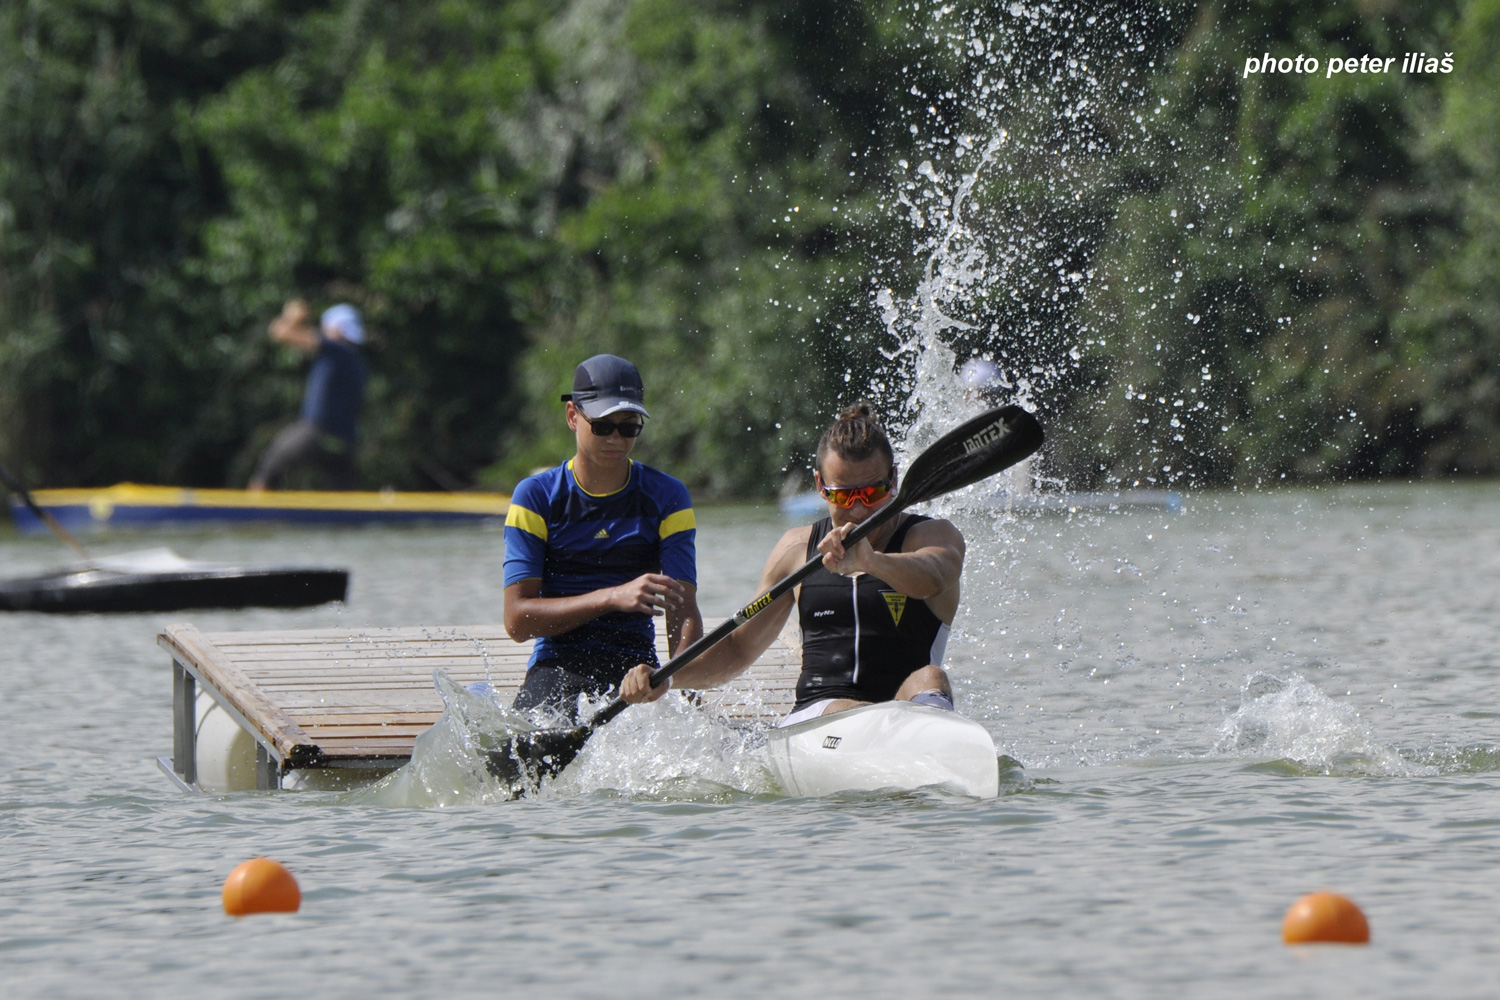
x=323 y=436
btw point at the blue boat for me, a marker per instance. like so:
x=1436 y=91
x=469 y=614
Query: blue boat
x=133 y=506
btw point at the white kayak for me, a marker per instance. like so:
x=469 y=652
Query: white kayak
x=890 y=745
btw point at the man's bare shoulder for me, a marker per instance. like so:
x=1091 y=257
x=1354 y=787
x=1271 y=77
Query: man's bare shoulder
x=791 y=548
x=787 y=556
x=934 y=531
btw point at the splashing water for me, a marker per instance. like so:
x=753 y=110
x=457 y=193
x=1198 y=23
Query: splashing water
x=670 y=749
x=999 y=206
x=1015 y=114
x=447 y=766
x=1290 y=720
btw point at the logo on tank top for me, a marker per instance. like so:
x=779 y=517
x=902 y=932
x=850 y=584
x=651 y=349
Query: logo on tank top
x=896 y=603
x=601 y=533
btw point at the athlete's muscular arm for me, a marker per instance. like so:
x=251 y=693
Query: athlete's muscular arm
x=928 y=567
x=528 y=615
x=684 y=622
x=743 y=646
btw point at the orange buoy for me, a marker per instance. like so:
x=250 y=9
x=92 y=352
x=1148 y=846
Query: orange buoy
x=260 y=885
x=1324 y=917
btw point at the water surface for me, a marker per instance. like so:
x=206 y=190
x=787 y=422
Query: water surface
x=1216 y=711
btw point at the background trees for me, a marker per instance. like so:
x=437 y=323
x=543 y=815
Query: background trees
x=714 y=190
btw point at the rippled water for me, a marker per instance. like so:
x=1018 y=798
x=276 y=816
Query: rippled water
x=1216 y=711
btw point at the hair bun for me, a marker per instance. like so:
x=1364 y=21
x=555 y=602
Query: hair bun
x=859 y=411
x=855 y=435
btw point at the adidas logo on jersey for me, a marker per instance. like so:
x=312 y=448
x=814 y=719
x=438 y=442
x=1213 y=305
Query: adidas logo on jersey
x=601 y=533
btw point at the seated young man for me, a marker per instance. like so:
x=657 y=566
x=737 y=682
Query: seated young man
x=596 y=548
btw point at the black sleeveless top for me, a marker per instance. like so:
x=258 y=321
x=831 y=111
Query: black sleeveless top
x=860 y=638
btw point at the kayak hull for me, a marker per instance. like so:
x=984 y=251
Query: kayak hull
x=893 y=745
x=161 y=581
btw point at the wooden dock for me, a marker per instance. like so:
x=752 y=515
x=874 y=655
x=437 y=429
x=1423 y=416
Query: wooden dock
x=358 y=698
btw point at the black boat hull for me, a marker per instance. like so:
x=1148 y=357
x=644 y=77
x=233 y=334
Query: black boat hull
x=97 y=591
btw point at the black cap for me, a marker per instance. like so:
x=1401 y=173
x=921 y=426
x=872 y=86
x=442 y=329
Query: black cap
x=605 y=384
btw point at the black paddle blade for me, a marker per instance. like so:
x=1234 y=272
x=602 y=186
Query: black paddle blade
x=976 y=449
x=523 y=761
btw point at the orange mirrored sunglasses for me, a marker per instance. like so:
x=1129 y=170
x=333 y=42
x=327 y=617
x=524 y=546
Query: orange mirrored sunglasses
x=845 y=496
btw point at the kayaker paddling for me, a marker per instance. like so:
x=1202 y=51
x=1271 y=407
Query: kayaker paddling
x=875 y=616
x=596 y=548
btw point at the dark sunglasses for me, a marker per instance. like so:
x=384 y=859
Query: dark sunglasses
x=845 y=496
x=627 y=428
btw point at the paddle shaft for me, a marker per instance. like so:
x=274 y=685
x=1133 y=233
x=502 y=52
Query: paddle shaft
x=20 y=490
x=706 y=642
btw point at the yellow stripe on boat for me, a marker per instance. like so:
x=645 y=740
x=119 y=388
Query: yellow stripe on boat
x=137 y=495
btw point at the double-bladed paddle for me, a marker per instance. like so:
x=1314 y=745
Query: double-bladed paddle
x=974 y=450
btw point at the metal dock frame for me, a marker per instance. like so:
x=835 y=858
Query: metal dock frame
x=193 y=655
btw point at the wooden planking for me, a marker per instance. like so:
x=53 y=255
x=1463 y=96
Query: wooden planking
x=318 y=696
x=459 y=649
x=355 y=718
x=368 y=639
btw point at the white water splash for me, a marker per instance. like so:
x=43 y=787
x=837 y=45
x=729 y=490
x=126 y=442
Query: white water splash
x=671 y=749
x=997 y=207
x=1290 y=719
x=447 y=766
x=1013 y=116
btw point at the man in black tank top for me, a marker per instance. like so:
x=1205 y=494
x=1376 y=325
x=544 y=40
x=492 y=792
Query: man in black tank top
x=874 y=617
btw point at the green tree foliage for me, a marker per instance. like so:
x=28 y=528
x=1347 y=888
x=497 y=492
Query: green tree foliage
x=1252 y=301
x=503 y=188
x=1200 y=275
x=1450 y=328
x=102 y=361
x=702 y=240
x=379 y=162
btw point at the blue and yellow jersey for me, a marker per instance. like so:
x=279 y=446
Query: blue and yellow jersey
x=575 y=542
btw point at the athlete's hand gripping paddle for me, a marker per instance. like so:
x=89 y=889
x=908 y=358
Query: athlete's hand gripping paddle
x=974 y=450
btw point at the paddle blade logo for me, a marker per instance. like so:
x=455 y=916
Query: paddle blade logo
x=897 y=605
x=984 y=437
x=832 y=742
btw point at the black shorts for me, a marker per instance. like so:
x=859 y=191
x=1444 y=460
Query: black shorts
x=556 y=689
